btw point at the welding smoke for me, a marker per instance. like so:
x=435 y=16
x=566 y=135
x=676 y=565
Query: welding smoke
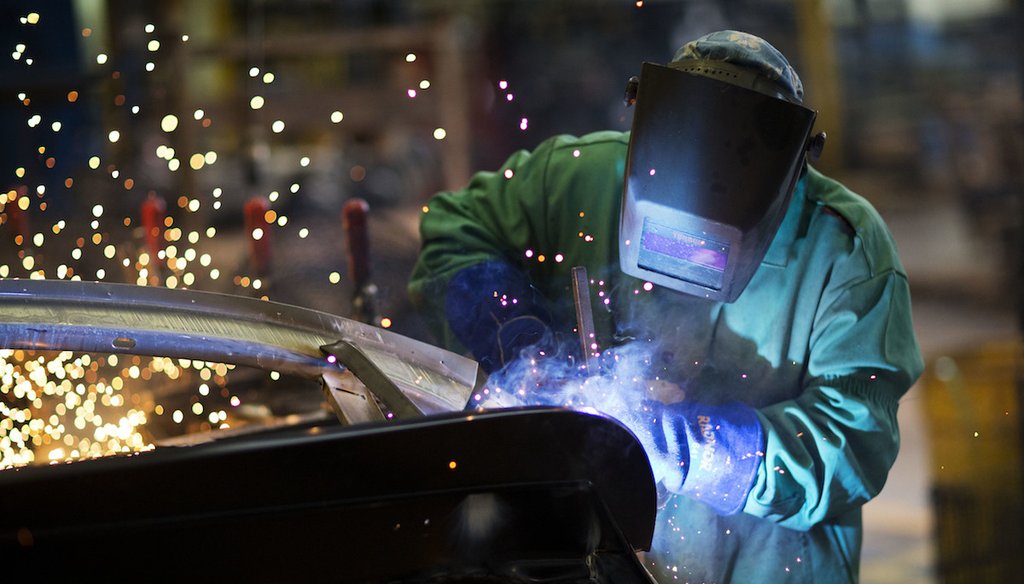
x=622 y=386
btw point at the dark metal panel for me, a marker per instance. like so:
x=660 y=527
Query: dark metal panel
x=519 y=494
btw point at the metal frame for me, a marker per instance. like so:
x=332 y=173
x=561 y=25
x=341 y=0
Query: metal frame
x=407 y=377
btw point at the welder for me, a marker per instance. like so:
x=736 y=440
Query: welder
x=770 y=295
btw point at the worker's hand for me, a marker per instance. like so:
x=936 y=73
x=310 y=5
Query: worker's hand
x=697 y=448
x=666 y=446
x=495 y=312
x=524 y=337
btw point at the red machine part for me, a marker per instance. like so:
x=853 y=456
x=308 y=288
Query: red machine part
x=354 y=221
x=258 y=230
x=17 y=218
x=154 y=215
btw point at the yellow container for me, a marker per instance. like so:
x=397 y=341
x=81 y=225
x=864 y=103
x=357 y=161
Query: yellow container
x=972 y=407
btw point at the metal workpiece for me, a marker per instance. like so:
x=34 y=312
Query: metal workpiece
x=347 y=389
x=409 y=376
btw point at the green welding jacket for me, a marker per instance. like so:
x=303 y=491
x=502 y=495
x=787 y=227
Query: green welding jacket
x=820 y=344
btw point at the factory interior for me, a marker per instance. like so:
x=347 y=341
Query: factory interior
x=219 y=119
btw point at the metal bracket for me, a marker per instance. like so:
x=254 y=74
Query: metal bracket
x=354 y=389
x=384 y=371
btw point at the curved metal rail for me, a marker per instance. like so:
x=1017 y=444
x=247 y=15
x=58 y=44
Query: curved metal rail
x=409 y=377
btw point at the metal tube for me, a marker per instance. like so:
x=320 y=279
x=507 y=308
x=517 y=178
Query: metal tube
x=584 y=316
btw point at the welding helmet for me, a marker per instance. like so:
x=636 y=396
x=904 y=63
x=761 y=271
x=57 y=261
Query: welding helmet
x=718 y=143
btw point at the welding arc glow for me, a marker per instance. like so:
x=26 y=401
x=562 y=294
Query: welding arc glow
x=621 y=387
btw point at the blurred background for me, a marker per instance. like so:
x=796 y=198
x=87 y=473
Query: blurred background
x=212 y=144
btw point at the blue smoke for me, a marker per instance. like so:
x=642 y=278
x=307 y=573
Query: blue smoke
x=621 y=387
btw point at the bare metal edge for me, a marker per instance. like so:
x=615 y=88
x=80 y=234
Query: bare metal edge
x=584 y=315
x=407 y=375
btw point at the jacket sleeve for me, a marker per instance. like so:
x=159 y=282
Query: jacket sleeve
x=493 y=219
x=830 y=449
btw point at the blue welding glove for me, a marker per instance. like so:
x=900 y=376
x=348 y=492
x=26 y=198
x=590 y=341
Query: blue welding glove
x=495 y=312
x=708 y=453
